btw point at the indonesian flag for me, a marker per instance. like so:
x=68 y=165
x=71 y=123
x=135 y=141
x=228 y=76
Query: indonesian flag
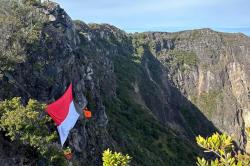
x=64 y=114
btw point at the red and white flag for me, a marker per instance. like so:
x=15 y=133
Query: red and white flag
x=64 y=114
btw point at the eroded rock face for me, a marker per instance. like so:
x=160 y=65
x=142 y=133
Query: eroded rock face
x=218 y=80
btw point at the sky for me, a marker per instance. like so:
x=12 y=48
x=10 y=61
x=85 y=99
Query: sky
x=163 y=15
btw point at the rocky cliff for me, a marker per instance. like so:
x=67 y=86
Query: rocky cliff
x=211 y=69
x=150 y=93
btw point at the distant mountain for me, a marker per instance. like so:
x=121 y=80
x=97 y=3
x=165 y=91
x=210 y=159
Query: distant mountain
x=244 y=30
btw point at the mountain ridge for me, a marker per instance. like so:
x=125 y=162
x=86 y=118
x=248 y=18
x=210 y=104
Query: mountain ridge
x=150 y=93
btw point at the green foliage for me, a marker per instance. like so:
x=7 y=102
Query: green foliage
x=21 y=27
x=139 y=42
x=94 y=26
x=30 y=126
x=182 y=59
x=216 y=142
x=134 y=127
x=115 y=159
x=139 y=39
x=208 y=101
x=140 y=50
x=221 y=145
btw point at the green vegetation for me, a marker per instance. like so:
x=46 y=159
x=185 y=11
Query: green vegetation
x=182 y=60
x=221 y=145
x=139 y=44
x=21 y=27
x=208 y=101
x=110 y=159
x=135 y=129
x=94 y=26
x=29 y=126
x=140 y=51
x=141 y=41
x=141 y=135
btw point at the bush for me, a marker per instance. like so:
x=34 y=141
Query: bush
x=115 y=159
x=221 y=145
x=30 y=126
x=21 y=29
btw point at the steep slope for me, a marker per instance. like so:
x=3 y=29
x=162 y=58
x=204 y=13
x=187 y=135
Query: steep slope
x=99 y=60
x=211 y=69
x=150 y=93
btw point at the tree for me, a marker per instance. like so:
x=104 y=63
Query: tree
x=221 y=145
x=115 y=159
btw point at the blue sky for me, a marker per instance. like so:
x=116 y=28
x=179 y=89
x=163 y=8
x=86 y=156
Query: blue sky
x=163 y=15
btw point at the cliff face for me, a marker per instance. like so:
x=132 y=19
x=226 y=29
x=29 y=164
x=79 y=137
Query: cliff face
x=211 y=70
x=150 y=93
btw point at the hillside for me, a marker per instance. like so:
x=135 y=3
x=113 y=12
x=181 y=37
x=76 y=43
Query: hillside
x=150 y=93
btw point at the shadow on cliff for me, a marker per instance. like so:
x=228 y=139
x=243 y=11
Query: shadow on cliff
x=143 y=86
x=168 y=103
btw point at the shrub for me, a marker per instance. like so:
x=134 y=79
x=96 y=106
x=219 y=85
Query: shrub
x=30 y=126
x=221 y=145
x=21 y=28
x=115 y=159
